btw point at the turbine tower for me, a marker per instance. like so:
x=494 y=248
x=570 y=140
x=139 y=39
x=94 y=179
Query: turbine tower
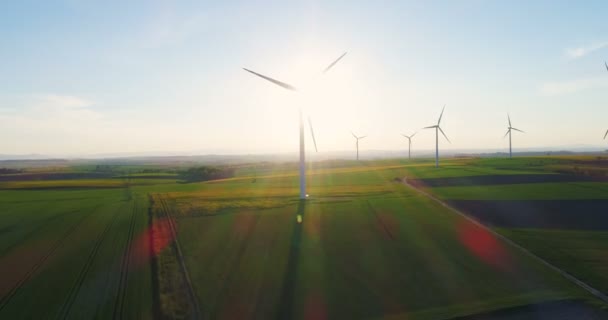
x=409 y=150
x=437 y=130
x=287 y=86
x=509 y=129
x=357 y=143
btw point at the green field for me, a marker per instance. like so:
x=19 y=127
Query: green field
x=364 y=245
x=74 y=254
x=578 y=252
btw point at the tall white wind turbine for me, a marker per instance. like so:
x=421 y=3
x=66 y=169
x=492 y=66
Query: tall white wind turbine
x=509 y=129
x=287 y=86
x=606 y=64
x=437 y=130
x=409 y=143
x=357 y=143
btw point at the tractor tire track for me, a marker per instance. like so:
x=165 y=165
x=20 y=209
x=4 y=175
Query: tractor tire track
x=8 y=297
x=380 y=221
x=66 y=308
x=180 y=259
x=119 y=304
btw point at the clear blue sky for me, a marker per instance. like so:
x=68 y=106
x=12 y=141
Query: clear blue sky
x=84 y=77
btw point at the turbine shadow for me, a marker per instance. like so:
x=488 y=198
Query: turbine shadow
x=289 y=280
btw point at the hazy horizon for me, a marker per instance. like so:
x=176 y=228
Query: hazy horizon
x=89 y=78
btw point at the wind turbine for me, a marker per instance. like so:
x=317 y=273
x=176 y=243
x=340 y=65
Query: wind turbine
x=437 y=129
x=289 y=87
x=510 y=128
x=409 y=150
x=358 y=138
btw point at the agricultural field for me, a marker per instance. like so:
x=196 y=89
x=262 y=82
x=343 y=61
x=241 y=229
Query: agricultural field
x=365 y=245
x=74 y=254
x=556 y=209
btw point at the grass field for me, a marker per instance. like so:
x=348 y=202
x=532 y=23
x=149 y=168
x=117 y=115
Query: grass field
x=74 y=254
x=367 y=247
x=556 y=210
x=363 y=246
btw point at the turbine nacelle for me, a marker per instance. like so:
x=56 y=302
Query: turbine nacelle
x=409 y=138
x=357 y=137
x=290 y=87
x=438 y=129
x=510 y=127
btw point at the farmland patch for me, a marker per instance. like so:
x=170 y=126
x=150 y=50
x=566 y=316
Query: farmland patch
x=542 y=214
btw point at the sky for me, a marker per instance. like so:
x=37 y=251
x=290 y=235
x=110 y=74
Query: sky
x=81 y=77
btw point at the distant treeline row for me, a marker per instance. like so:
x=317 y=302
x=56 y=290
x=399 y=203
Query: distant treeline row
x=206 y=173
x=10 y=171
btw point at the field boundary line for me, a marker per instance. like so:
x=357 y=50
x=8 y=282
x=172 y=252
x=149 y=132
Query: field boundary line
x=180 y=259
x=598 y=294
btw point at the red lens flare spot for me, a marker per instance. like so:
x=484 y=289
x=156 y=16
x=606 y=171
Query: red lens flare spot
x=315 y=307
x=483 y=244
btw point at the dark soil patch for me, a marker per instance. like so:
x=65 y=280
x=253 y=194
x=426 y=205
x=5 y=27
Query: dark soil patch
x=544 y=214
x=554 y=310
x=503 y=179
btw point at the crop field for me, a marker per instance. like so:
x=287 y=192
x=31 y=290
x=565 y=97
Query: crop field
x=558 y=210
x=74 y=254
x=364 y=245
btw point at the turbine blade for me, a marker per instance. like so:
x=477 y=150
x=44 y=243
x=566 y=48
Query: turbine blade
x=509 y=117
x=606 y=134
x=430 y=127
x=443 y=133
x=606 y=64
x=354 y=135
x=334 y=63
x=312 y=133
x=507 y=133
x=413 y=134
x=517 y=130
x=362 y=137
x=441 y=115
x=277 y=82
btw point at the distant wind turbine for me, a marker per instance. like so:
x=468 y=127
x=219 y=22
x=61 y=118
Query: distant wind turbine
x=409 y=150
x=509 y=129
x=606 y=134
x=357 y=143
x=437 y=129
x=606 y=64
x=302 y=149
